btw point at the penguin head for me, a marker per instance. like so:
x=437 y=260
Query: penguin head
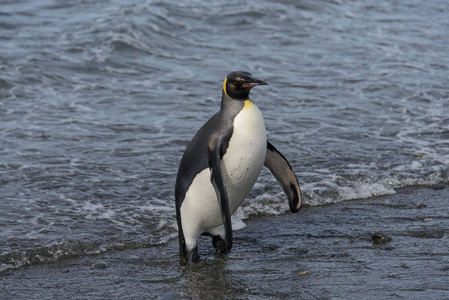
x=238 y=84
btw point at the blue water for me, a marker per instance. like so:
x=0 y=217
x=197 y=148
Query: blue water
x=98 y=100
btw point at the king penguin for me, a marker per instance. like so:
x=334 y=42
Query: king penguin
x=220 y=166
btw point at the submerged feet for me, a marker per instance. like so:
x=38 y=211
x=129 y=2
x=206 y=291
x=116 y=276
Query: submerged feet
x=219 y=244
x=193 y=256
x=220 y=247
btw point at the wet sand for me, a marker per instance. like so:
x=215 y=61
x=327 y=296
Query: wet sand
x=390 y=247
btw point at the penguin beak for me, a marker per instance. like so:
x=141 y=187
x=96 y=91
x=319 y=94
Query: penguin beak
x=253 y=84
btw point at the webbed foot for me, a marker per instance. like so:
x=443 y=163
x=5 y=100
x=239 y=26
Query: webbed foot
x=219 y=244
x=193 y=256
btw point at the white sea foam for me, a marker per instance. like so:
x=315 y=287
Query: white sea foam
x=237 y=220
x=361 y=191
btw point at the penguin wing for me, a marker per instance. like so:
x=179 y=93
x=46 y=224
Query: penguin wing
x=217 y=181
x=282 y=171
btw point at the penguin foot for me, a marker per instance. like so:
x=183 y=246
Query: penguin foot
x=219 y=244
x=193 y=256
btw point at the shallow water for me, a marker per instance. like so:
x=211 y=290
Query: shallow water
x=99 y=100
x=324 y=252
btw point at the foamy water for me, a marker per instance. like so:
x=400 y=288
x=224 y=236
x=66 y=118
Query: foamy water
x=98 y=102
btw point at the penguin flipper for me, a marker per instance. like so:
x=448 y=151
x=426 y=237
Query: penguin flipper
x=217 y=181
x=282 y=171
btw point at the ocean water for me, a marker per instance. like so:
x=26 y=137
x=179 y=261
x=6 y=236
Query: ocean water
x=98 y=100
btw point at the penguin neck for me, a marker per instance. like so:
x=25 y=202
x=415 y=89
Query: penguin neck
x=228 y=102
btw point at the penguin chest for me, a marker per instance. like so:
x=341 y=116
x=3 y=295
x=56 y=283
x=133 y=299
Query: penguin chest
x=245 y=155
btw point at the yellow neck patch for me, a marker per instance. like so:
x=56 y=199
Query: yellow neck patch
x=224 y=86
x=248 y=103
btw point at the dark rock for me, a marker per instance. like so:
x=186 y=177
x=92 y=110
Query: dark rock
x=380 y=239
x=100 y=266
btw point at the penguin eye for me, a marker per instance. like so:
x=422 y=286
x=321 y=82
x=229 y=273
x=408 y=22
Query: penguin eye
x=234 y=83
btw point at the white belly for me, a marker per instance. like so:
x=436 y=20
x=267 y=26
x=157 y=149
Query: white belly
x=240 y=166
x=245 y=156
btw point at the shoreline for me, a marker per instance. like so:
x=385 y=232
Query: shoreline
x=323 y=252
